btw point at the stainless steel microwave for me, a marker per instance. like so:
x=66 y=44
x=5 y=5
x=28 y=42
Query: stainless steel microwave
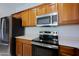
x=47 y=19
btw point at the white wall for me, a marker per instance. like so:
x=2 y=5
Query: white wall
x=7 y=9
x=24 y=6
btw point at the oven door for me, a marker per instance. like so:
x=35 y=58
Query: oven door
x=38 y=50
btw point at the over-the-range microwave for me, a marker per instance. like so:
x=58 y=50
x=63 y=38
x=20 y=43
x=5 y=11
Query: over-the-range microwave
x=50 y=19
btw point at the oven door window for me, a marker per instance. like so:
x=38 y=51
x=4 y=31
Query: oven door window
x=44 y=20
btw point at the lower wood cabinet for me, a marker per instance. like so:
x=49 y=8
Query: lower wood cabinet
x=23 y=47
x=27 y=50
x=18 y=47
x=66 y=51
x=77 y=52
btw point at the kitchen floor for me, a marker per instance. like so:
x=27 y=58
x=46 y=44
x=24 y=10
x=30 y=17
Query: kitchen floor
x=4 y=50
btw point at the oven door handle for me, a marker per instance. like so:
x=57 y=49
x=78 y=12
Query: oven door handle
x=51 y=46
x=45 y=45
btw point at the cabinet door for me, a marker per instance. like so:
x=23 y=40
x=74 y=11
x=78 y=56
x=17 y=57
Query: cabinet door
x=18 y=48
x=77 y=52
x=25 y=18
x=32 y=17
x=27 y=50
x=68 y=13
x=40 y=10
x=51 y=8
x=65 y=50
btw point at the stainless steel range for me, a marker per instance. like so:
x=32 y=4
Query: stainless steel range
x=46 y=44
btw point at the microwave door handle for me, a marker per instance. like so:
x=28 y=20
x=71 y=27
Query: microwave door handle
x=51 y=20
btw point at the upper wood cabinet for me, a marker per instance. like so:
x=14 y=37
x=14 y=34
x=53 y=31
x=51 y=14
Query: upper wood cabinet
x=51 y=8
x=32 y=17
x=25 y=18
x=40 y=10
x=29 y=17
x=46 y=8
x=68 y=13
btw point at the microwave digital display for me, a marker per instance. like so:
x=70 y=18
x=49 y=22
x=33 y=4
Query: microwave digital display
x=44 y=20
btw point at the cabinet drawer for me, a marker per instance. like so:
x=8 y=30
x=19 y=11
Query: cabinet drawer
x=67 y=50
x=25 y=41
x=29 y=42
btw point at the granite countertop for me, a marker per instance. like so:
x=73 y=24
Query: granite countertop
x=25 y=37
x=72 y=43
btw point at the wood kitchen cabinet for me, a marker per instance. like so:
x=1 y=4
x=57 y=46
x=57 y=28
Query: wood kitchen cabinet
x=50 y=8
x=46 y=8
x=77 y=52
x=23 y=47
x=40 y=10
x=19 y=47
x=29 y=17
x=27 y=50
x=68 y=13
x=25 y=18
x=32 y=17
x=66 y=51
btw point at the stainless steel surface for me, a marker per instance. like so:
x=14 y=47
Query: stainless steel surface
x=45 y=15
x=5 y=33
x=5 y=30
x=45 y=45
x=54 y=33
x=2 y=28
x=52 y=22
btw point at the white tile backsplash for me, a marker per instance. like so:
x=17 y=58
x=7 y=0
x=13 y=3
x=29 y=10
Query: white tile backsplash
x=68 y=32
x=31 y=32
x=34 y=31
